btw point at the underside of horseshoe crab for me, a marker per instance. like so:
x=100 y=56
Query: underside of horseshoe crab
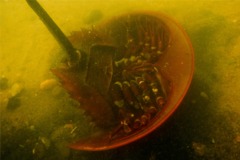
x=122 y=67
x=126 y=73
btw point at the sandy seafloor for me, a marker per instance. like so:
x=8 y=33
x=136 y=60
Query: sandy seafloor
x=38 y=118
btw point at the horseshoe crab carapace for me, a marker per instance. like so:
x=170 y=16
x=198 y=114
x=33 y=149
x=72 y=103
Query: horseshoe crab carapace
x=129 y=73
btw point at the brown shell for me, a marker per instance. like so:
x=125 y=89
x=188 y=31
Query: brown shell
x=137 y=59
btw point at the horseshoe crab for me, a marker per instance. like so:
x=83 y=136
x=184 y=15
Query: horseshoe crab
x=129 y=73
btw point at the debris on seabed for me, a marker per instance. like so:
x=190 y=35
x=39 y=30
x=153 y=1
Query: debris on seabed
x=213 y=141
x=48 y=84
x=45 y=141
x=198 y=148
x=16 y=89
x=39 y=150
x=32 y=128
x=204 y=95
x=10 y=94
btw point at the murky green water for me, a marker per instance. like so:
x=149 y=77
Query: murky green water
x=38 y=118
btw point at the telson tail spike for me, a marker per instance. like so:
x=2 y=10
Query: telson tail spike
x=74 y=54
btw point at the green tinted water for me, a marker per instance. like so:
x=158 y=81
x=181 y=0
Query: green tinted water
x=38 y=118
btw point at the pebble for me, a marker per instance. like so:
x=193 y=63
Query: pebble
x=204 y=95
x=15 y=89
x=199 y=148
x=13 y=103
x=48 y=84
x=45 y=141
x=39 y=151
x=213 y=141
x=32 y=128
x=69 y=126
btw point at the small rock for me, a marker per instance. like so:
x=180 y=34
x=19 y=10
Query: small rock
x=48 y=84
x=69 y=126
x=45 y=141
x=13 y=103
x=204 y=95
x=32 y=128
x=15 y=89
x=213 y=140
x=199 y=148
x=39 y=151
